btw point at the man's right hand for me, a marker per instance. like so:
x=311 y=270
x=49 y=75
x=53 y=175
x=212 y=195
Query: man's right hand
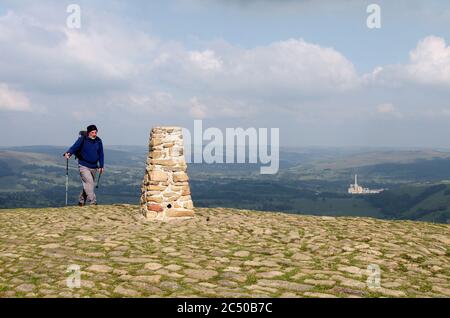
x=67 y=155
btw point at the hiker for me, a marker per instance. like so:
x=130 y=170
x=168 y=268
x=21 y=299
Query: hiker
x=88 y=150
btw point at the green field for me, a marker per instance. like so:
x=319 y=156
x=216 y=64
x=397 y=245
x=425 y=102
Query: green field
x=310 y=181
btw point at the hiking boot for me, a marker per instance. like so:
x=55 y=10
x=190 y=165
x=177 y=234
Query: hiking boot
x=80 y=204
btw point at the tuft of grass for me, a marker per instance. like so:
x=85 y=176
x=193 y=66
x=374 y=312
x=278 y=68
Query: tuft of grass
x=3 y=288
x=426 y=287
x=413 y=260
x=321 y=288
x=251 y=279
x=402 y=268
x=288 y=276
x=35 y=280
x=352 y=261
x=334 y=265
x=384 y=268
x=374 y=294
x=289 y=253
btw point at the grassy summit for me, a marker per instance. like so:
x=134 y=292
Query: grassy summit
x=220 y=253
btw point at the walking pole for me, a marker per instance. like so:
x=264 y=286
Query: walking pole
x=67 y=179
x=98 y=181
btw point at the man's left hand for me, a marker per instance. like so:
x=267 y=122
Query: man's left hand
x=101 y=170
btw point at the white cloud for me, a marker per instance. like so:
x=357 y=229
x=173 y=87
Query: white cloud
x=385 y=108
x=122 y=72
x=388 y=109
x=197 y=109
x=114 y=53
x=59 y=60
x=297 y=65
x=155 y=102
x=220 y=107
x=429 y=64
x=13 y=100
x=111 y=59
x=206 y=60
x=291 y=67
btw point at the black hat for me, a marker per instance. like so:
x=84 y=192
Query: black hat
x=91 y=128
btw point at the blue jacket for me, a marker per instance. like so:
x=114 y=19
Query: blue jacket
x=91 y=152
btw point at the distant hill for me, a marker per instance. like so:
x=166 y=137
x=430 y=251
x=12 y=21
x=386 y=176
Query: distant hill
x=371 y=158
x=418 y=181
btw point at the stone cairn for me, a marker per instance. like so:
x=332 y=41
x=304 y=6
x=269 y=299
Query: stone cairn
x=165 y=189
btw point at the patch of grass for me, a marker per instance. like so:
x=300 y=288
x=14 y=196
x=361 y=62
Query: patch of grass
x=320 y=264
x=3 y=288
x=374 y=294
x=402 y=268
x=288 y=276
x=95 y=248
x=384 y=268
x=321 y=288
x=302 y=279
x=35 y=280
x=352 y=261
x=334 y=266
x=411 y=259
x=176 y=261
x=425 y=287
x=251 y=279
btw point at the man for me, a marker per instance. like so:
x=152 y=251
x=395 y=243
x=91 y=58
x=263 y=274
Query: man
x=89 y=152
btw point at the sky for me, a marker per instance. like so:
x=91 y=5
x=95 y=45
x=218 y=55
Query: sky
x=313 y=69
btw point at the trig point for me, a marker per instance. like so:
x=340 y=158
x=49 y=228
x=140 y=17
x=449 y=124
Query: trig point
x=165 y=189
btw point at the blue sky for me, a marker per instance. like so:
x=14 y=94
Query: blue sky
x=340 y=25
x=312 y=69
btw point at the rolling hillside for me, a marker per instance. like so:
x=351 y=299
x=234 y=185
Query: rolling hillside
x=310 y=181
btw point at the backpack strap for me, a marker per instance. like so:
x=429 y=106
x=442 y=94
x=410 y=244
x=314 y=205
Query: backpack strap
x=78 y=154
